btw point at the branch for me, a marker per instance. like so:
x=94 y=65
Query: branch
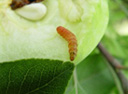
x=116 y=67
x=114 y=63
x=124 y=81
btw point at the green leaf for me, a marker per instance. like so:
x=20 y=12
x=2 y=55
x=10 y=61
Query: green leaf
x=34 y=76
x=93 y=77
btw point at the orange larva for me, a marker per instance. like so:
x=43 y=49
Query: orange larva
x=71 y=39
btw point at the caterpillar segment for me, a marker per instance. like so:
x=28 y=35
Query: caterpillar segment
x=71 y=39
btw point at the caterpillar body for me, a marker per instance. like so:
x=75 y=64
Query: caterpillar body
x=71 y=39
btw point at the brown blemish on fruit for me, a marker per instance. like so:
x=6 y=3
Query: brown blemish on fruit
x=20 y=3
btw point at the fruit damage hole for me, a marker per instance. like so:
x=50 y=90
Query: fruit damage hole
x=20 y=3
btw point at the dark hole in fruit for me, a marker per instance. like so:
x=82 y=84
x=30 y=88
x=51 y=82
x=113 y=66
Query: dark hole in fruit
x=20 y=3
x=31 y=0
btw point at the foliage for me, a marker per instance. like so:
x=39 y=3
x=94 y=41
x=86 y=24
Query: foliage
x=34 y=76
x=94 y=75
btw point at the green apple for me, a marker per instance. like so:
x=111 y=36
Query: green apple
x=24 y=36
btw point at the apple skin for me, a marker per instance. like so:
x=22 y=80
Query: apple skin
x=21 y=38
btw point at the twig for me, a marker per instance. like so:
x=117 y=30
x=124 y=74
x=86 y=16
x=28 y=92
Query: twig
x=114 y=63
x=116 y=66
x=124 y=81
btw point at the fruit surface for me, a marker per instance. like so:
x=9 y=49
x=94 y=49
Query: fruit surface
x=21 y=38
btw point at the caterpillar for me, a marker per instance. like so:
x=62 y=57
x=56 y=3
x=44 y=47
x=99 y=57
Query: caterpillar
x=20 y=3
x=71 y=39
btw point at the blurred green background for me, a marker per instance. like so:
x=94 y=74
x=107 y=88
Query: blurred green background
x=94 y=75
